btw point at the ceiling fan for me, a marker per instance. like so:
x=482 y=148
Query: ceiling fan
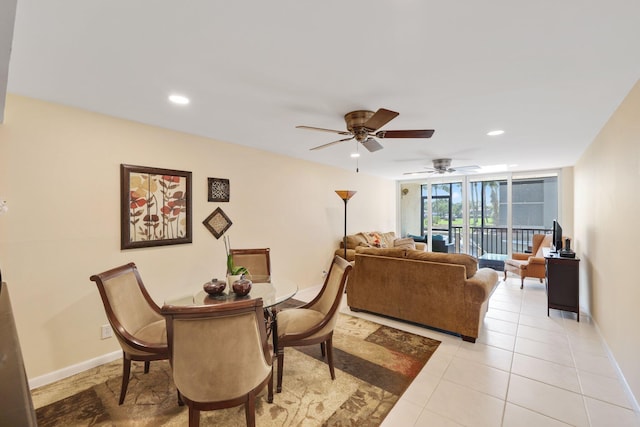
x=363 y=125
x=441 y=166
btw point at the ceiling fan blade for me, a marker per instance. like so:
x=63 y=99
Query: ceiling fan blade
x=372 y=145
x=339 y=132
x=331 y=143
x=419 y=172
x=380 y=118
x=424 y=133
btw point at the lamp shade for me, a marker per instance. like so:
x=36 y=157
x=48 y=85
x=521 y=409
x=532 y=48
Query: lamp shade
x=345 y=194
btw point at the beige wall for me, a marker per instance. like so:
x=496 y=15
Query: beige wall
x=59 y=172
x=607 y=204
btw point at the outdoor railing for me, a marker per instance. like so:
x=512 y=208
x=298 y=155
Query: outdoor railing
x=492 y=239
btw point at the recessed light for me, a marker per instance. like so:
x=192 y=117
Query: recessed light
x=179 y=99
x=355 y=155
x=495 y=132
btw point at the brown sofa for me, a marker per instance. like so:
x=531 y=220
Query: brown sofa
x=443 y=291
x=376 y=239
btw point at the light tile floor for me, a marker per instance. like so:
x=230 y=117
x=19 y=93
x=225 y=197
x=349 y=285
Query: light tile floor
x=525 y=369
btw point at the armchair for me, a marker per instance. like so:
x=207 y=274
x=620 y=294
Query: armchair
x=313 y=323
x=134 y=317
x=529 y=265
x=220 y=356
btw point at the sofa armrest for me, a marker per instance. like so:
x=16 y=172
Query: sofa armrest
x=520 y=256
x=480 y=287
x=351 y=254
x=421 y=246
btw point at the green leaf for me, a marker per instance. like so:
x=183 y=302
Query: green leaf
x=235 y=269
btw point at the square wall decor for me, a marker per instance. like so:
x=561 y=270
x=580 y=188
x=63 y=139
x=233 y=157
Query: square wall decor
x=218 y=189
x=155 y=207
x=217 y=223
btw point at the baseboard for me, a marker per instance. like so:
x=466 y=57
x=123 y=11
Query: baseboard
x=60 y=374
x=629 y=393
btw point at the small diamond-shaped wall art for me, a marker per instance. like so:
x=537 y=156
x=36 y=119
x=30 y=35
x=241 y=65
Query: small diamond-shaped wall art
x=217 y=223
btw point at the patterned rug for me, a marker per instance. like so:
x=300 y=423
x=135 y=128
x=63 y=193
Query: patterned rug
x=374 y=365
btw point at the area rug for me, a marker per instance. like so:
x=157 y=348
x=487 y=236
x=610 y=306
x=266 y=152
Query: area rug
x=374 y=365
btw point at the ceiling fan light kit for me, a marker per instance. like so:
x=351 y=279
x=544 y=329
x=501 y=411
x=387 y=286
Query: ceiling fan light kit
x=363 y=125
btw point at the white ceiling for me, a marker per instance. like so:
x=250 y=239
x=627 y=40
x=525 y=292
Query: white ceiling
x=550 y=73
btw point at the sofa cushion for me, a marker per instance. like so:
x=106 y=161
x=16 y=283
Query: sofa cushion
x=390 y=252
x=378 y=239
x=404 y=243
x=355 y=240
x=388 y=238
x=471 y=263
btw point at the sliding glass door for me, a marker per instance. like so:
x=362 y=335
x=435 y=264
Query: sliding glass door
x=487 y=217
x=478 y=215
x=446 y=211
x=535 y=206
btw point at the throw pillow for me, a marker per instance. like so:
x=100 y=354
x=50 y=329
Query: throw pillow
x=387 y=239
x=375 y=239
x=406 y=243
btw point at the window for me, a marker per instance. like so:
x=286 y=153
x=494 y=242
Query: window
x=480 y=216
x=487 y=217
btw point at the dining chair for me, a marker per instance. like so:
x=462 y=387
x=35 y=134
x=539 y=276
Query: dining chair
x=134 y=317
x=313 y=323
x=256 y=261
x=220 y=356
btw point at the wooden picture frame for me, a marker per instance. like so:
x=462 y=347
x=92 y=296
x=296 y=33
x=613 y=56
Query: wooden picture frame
x=217 y=223
x=155 y=207
x=218 y=189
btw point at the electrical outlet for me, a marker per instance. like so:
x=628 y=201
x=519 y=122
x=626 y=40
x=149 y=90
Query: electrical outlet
x=106 y=331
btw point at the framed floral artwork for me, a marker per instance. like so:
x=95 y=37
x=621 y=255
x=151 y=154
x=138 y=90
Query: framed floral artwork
x=155 y=207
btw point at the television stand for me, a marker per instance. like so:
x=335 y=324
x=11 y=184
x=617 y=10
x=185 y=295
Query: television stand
x=562 y=283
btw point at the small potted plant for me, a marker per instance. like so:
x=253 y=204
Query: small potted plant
x=234 y=272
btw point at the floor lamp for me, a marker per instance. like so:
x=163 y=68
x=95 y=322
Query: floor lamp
x=345 y=195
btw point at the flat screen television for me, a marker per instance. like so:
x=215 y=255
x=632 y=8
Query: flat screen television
x=557 y=236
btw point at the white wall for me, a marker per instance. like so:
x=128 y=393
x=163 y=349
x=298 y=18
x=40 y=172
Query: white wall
x=607 y=233
x=59 y=172
x=410 y=208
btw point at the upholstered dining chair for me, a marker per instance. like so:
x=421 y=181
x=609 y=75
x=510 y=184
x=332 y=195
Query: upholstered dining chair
x=134 y=317
x=256 y=261
x=529 y=264
x=220 y=356
x=313 y=322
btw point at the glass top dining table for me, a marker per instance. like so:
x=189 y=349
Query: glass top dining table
x=272 y=293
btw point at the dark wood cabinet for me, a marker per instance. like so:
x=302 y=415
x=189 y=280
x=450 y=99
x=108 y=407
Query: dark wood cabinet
x=562 y=283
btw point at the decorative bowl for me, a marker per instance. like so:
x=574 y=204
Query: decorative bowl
x=241 y=287
x=214 y=287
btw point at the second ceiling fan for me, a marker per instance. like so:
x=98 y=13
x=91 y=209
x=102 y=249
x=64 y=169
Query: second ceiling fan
x=364 y=125
x=442 y=166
